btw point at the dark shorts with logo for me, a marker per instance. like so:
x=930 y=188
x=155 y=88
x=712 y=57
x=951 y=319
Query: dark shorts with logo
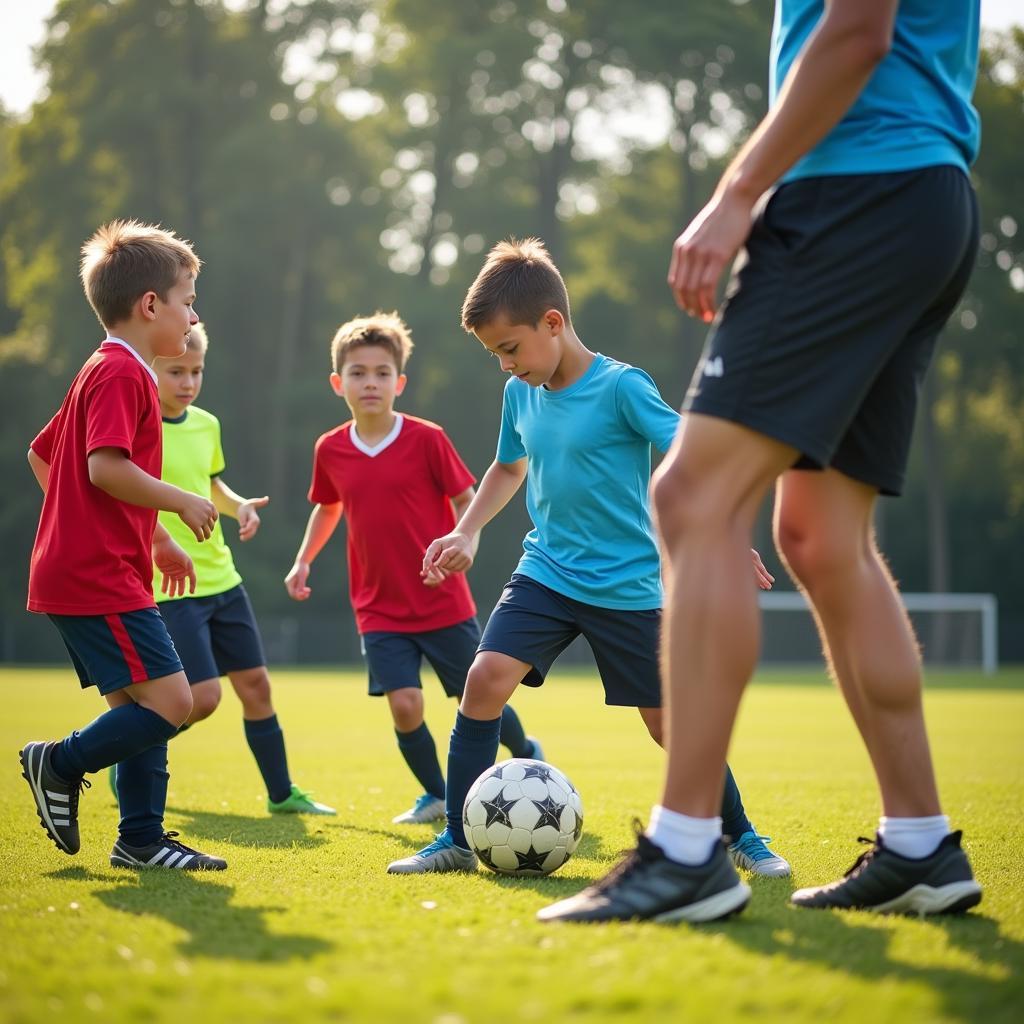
x=533 y=623
x=214 y=635
x=832 y=314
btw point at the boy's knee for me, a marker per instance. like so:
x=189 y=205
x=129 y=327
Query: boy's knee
x=205 y=700
x=406 y=707
x=489 y=684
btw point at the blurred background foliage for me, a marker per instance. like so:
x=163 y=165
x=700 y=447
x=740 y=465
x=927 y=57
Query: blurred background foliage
x=332 y=158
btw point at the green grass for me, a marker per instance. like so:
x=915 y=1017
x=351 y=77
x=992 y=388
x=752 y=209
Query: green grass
x=305 y=925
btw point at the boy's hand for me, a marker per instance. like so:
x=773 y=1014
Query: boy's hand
x=452 y=553
x=295 y=582
x=764 y=578
x=198 y=514
x=175 y=568
x=248 y=517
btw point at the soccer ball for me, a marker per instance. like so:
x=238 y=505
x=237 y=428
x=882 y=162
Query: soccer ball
x=523 y=817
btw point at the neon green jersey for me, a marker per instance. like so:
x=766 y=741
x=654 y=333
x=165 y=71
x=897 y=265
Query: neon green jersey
x=192 y=458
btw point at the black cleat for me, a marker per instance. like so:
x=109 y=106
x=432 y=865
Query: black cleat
x=648 y=886
x=887 y=883
x=56 y=798
x=167 y=852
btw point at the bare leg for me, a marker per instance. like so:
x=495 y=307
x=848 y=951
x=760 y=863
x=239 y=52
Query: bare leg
x=707 y=493
x=252 y=686
x=823 y=527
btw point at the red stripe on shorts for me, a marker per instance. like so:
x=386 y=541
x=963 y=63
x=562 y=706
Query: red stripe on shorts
x=136 y=669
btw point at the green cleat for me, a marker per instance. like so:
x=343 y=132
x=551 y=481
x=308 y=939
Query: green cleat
x=298 y=802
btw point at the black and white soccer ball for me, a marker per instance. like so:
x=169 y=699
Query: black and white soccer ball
x=523 y=817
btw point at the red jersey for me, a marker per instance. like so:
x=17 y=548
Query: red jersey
x=396 y=498
x=93 y=553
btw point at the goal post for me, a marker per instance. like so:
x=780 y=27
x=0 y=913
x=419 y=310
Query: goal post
x=954 y=630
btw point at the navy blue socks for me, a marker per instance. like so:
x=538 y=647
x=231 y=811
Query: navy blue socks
x=420 y=755
x=266 y=741
x=115 y=736
x=472 y=750
x=734 y=819
x=142 y=795
x=512 y=734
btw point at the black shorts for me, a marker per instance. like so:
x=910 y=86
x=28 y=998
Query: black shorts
x=214 y=635
x=831 y=317
x=534 y=623
x=111 y=652
x=393 y=659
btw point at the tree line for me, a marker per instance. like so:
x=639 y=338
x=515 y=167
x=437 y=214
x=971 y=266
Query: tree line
x=332 y=157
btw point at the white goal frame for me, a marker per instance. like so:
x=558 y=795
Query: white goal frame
x=985 y=604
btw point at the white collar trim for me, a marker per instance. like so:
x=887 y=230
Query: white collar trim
x=124 y=344
x=380 y=445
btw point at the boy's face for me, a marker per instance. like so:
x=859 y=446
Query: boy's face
x=179 y=380
x=369 y=381
x=171 y=319
x=531 y=353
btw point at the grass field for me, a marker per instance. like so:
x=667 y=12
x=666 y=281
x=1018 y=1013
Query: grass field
x=305 y=925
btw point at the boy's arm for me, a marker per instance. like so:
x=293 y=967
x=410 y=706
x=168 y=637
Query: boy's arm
x=176 y=569
x=434 y=576
x=840 y=55
x=454 y=552
x=112 y=471
x=40 y=468
x=228 y=503
x=322 y=522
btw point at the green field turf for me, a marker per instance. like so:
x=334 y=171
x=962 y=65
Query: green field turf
x=305 y=925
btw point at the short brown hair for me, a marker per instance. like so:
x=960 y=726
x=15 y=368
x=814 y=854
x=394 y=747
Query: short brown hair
x=386 y=330
x=519 y=281
x=125 y=259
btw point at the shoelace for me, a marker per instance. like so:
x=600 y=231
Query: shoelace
x=171 y=839
x=864 y=858
x=756 y=847
x=76 y=792
x=631 y=860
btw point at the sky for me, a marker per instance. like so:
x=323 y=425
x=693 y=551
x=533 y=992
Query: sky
x=22 y=25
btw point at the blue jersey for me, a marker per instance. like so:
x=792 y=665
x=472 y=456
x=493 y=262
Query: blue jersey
x=588 y=452
x=915 y=110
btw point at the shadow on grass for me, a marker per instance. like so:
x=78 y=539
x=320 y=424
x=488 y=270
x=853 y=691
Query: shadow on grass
x=214 y=926
x=401 y=836
x=284 y=831
x=980 y=983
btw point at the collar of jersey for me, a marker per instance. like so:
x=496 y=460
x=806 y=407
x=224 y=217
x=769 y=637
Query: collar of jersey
x=124 y=344
x=380 y=445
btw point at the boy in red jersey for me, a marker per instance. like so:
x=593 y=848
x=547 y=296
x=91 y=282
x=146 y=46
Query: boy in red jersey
x=398 y=478
x=98 y=463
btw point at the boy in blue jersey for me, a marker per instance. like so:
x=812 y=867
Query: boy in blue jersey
x=811 y=376
x=578 y=427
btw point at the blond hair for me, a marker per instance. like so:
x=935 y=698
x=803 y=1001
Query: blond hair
x=386 y=330
x=125 y=259
x=519 y=281
x=197 y=339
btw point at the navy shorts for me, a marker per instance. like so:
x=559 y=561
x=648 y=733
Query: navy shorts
x=214 y=635
x=831 y=318
x=113 y=651
x=393 y=659
x=534 y=623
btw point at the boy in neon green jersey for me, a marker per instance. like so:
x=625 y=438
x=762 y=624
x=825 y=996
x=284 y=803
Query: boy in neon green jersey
x=214 y=630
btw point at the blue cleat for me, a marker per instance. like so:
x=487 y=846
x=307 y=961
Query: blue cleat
x=442 y=855
x=751 y=852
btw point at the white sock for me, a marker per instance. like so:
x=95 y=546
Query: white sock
x=682 y=838
x=913 y=837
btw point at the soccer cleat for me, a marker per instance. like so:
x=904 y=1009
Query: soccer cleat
x=441 y=855
x=427 y=808
x=537 y=753
x=648 y=886
x=298 y=802
x=885 y=882
x=56 y=798
x=751 y=852
x=167 y=852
